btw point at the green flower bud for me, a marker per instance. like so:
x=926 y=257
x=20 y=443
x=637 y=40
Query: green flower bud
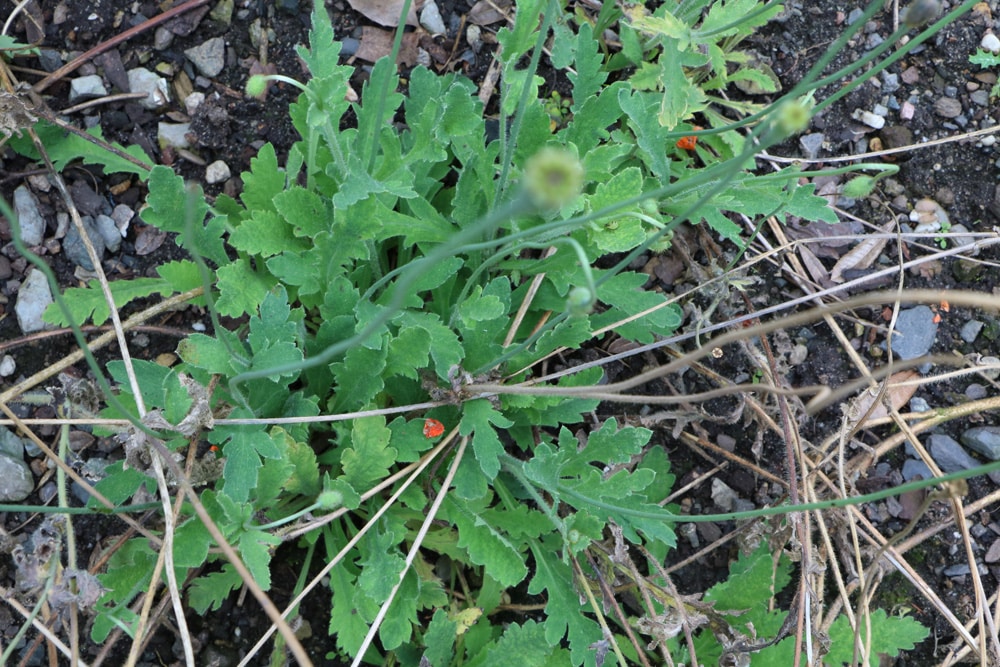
x=329 y=500
x=256 y=85
x=580 y=301
x=794 y=116
x=553 y=177
x=859 y=186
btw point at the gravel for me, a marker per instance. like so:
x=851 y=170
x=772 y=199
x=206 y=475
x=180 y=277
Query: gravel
x=33 y=298
x=915 y=333
x=30 y=219
x=983 y=439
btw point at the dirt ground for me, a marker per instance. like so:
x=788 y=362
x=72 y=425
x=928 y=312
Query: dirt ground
x=961 y=176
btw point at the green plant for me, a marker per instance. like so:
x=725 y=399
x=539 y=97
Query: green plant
x=986 y=59
x=374 y=268
x=736 y=618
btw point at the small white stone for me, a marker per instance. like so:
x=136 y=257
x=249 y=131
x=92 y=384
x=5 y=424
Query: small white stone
x=474 y=36
x=7 y=366
x=122 y=215
x=173 y=134
x=869 y=119
x=193 y=101
x=430 y=19
x=991 y=43
x=86 y=87
x=217 y=172
x=141 y=80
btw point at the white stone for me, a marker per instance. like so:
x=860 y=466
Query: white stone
x=991 y=43
x=173 y=134
x=217 y=172
x=193 y=101
x=7 y=366
x=86 y=87
x=33 y=298
x=430 y=19
x=122 y=215
x=869 y=119
x=141 y=80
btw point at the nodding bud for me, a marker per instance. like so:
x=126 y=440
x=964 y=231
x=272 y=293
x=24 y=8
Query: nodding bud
x=580 y=301
x=920 y=12
x=794 y=116
x=256 y=85
x=858 y=187
x=553 y=177
x=330 y=500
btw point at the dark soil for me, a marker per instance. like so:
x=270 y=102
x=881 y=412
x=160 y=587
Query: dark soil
x=230 y=127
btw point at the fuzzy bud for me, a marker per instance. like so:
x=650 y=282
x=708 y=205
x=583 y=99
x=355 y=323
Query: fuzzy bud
x=329 y=500
x=580 y=301
x=858 y=187
x=553 y=177
x=256 y=85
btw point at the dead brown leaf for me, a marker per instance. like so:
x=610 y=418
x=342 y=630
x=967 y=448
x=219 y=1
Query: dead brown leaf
x=384 y=12
x=486 y=12
x=376 y=43
x=897 y=395
x=862 y=255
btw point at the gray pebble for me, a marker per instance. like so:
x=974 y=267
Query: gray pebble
x=980 y=97
x=915 y=333
x=86 y=87
x=209 y=57
x=33 y=298
x=162 y=38
x=975 y=391
x=947 y=107
x=141 y=80
x=173 y=134
x=812 y=143
x=918 y=404
x=29 y=218
x=970 y=330
x=108 y=230
x=348 y=47
x=983 y=439
x=430 y=19
x=50 y=60
x=722 y=495
x=949 y=455
x=16 y=481
x=74 y=247
x=890 y=82
x=957 y=570
x=913 y=467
